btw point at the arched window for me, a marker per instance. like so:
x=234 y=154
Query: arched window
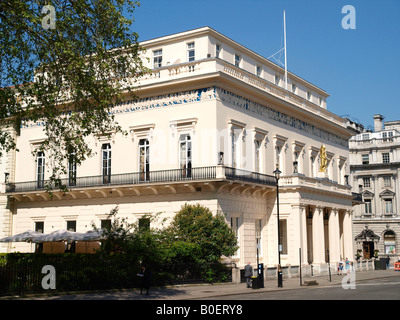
x=389 y=239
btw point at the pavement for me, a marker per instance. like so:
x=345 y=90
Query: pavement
x=214 y=291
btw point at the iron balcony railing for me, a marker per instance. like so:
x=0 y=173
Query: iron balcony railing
x=247 y=176
x=137 y=178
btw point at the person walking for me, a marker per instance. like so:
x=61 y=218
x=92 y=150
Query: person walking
x=144 y=279
x=340 y=267
x=347 y=262
x=388 y=262
x=248 y=272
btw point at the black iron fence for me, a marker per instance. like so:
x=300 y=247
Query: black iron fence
x=173 y=175
x=32 y=273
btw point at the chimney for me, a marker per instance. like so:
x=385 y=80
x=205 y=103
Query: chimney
x=378 y=122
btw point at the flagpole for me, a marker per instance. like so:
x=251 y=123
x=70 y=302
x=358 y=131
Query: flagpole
x=284 y=34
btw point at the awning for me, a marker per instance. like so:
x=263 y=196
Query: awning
x=367 y=235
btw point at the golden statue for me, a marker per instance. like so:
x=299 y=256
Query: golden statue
x=323 y=158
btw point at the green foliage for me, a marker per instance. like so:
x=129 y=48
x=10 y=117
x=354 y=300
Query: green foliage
x=194 y=236
x=67 y=77
x=196 y=224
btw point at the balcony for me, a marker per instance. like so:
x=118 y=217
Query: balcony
x=171 y=179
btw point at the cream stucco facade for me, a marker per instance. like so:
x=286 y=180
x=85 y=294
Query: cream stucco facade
x=375 y=168
x=211 y=124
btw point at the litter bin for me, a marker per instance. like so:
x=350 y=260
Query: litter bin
x=255 y=283
x=380 y=264
x=383 y=263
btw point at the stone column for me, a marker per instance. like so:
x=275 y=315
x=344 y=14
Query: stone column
x=300 y=239
x=318 y=236
x=334 y=236
x=348 y=235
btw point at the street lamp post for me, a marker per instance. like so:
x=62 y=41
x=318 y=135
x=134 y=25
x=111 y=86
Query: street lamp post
x=277 y=174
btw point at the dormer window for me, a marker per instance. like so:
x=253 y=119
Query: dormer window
x=217 y=50
x=237 y=60
x=157 y=58
x=190 y=52
x=258 y=71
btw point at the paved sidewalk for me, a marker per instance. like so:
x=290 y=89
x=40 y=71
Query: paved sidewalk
x=202 y=291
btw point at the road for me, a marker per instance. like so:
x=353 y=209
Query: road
x=375 y=289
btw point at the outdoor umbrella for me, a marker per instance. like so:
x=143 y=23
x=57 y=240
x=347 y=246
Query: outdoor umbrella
x=59 y=235
x=27 y=236
x=91 y=235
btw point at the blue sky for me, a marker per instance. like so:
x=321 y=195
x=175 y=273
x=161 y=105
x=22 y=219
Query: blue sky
x=359 y=68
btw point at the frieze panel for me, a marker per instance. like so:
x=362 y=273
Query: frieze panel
x=198 y=95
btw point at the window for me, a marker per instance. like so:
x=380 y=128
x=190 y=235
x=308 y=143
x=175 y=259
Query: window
x=144 y=224
x=258 y=71
x=294 y=88
x=388 y=206
x=39 y=227
x=105 y=224
x=157 y=58
x=235 y=229
x=312 y=171
x=365 y=136
x=367 y=206
x=296 y=161
x=237 y=60
x=278 y=163
x=71 y=226
x=320 y=102
x=387 y=182
x=277 y=78
x=217 y=50
x=308 y=95
x=365 y=158
x=385 y=158
x=71 y=245
x=258 y=226
x=257 y=145
x=389 y=239
x=106 y=162
x=283 y=236
x=40 y=163
x=235 y=149
x=367 y=182
x=190 y=52
x=144 y=160
x=72 y=169
x=185 y=152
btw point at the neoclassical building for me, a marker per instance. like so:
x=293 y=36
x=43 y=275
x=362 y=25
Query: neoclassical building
x=375 y=168
x=212 y=122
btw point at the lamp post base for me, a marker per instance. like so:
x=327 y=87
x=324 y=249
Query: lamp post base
x=280 y=281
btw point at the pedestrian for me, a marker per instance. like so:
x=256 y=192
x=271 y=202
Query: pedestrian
x=347 y=262
x=144 y=279
x=340 y=267
x=388 y=262
x=248 y=272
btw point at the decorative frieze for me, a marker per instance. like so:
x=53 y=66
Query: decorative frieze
x=198 y=95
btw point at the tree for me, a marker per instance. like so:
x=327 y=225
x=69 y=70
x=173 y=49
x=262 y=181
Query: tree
x=65 y=63
x=211 y=235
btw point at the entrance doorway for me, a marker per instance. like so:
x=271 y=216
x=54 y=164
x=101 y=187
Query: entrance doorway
x=368 y=249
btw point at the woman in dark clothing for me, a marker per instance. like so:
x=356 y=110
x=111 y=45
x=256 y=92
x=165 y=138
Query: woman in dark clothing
x=144 y=279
